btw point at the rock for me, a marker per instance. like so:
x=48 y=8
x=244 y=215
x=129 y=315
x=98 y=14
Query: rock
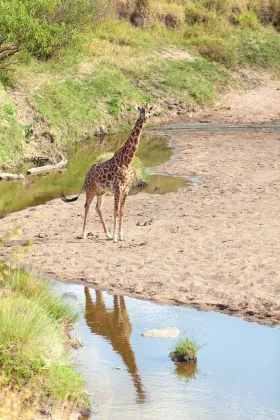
x=48 y=136
x=172 y=21
x=174 y=102
x=188 y=358
x=77 y=343
x=101 y=131
x=42 y=160
x=41 y=235
x=137 y=20
x=70 y=295
x=85 y=411
x=165 y=333
x=11 y=177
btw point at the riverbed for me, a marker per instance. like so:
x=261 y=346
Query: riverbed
x=237 y=376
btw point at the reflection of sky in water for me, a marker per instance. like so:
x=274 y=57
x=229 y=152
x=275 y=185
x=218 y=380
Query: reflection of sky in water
x=238 y=373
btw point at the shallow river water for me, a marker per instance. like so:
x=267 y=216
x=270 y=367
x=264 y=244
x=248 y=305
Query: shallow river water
x=129 y=376
x=154 y=150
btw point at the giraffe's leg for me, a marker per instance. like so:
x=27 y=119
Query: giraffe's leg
x=89 y=197
x=117 y=197
x=122 y=206
x=99 y=205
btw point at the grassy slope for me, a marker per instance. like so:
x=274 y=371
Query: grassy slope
x=115 y=65
x=35 y=369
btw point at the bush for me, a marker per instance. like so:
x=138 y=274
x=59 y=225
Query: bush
x=195 y=13
x=247 y=20
x=43 y=26
x=218 y=50
x=268 y=12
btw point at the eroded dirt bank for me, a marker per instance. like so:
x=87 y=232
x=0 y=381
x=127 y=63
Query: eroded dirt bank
x=215 y=245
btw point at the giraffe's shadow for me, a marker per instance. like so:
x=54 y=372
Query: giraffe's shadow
x=114 y=325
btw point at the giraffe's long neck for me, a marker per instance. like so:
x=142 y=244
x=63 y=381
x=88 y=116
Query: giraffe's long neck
x=126 y=153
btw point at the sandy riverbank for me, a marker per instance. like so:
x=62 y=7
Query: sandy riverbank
x=215 y=246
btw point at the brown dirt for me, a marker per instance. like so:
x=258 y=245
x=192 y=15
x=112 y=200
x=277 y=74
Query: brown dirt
x=214 y=246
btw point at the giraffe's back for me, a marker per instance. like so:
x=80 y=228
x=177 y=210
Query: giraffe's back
x=107 y=176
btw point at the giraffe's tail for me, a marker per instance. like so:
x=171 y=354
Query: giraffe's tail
x=68 y=200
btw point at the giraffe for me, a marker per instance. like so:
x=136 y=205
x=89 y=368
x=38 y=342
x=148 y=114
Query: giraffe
x=114 y=175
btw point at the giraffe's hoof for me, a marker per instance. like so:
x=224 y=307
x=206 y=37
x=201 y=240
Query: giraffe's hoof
x=115 y=241
x=109 y=237
x=121 y=239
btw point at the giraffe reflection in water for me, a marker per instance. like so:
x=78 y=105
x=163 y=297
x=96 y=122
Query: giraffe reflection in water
x=114 y=326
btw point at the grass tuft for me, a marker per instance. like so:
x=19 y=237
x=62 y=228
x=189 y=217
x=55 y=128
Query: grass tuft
x=32 y=336
x=185 y=351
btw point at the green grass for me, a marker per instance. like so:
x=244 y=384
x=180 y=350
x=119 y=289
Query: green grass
x=112 y=66
x=185 y=346
x=12 y=135
x=32 y=335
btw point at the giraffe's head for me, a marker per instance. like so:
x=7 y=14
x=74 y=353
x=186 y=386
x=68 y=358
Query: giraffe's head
x=145 y=111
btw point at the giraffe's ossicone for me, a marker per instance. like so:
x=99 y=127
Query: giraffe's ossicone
x=114 y=175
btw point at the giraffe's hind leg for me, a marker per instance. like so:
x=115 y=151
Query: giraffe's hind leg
x=89 y=197
x=99 y=205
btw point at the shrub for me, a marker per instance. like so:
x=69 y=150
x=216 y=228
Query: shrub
x=216 y=49
x=268 y=12
x=7 y=50
x=247 y=20
x=195 y=13
x=43 y=26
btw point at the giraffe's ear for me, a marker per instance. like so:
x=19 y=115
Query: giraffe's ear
x=151 y=108
x=137 y=108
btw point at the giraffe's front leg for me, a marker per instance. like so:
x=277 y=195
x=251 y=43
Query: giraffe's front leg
x=117 y=197
x=89 y=197
x=99 y=212
x=122 y=207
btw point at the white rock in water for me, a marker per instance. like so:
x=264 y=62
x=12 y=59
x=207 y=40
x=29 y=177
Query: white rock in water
x=165 y=333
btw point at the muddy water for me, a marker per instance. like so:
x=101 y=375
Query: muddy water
x=154 y=150
x=237 y=376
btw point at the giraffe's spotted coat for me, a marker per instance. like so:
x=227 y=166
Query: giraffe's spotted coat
x=114 y=175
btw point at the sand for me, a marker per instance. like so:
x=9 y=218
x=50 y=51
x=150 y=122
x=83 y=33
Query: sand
x=214 y=246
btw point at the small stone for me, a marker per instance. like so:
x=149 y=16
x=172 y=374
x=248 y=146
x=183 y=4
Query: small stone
x=101 y=130
x=77 y=343
x=164 y=333
x=70 y=295
x=42 y=235
x=85 y=411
